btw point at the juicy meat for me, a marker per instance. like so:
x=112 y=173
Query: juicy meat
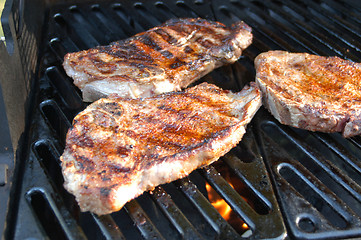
x=163 y=59
x=311 y=92
x=118 y=148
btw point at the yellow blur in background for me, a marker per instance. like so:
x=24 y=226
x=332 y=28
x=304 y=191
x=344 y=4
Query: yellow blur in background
x=2 y=3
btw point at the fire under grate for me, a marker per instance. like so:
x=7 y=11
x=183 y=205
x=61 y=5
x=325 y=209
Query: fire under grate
x=280 y=182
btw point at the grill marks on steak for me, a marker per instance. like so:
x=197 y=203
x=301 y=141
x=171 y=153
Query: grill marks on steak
x=163 y=59
x=311 y=92
x=118 y=148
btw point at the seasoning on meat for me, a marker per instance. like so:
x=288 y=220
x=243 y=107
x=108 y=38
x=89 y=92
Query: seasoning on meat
x=118 y=148
x=163 y=59
x=311 y=92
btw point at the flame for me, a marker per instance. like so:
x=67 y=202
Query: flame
x=218 y=203
x=224 y=209
x=244 y=226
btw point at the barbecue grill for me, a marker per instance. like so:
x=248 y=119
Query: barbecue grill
x=280 y=182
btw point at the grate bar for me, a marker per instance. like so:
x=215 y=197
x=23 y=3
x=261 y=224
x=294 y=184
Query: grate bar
x=80 y=36
x=70 y=97
x=329 y=173
x=62 y=47
x=329 y=16
x=240 y=170
x=58 y=216
x=108 y=227
x=329 y=168
x=55 y=118
x=340 y=151
x=295 y=34
x=206 y=209
x=260 y=28
x=345 y=8
x=98 y=19
x=324 y=38
x=285 y=31
x=181 y=223
x=302 y=202
x=356 y=141
x=142 y=221
x=88 y=32
x=311 y=188
x=118 y=14
x=237 y=203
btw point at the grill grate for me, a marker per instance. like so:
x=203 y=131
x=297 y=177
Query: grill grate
x=308 y=187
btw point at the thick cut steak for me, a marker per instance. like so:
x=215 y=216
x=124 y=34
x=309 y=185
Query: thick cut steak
x=311 y=92
x=118 y=148
x=163 y=59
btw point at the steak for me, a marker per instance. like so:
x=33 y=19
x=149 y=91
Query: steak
x=118 y=148
x=311 y=92
x=163 y=59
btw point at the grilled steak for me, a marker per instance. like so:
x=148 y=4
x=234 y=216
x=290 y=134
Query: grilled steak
x=311 y=92
x=163 y=59
x=118 y=148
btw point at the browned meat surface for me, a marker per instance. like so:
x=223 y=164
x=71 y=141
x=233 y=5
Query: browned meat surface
x=163 y=59
x=118 y=148
x=311 y=92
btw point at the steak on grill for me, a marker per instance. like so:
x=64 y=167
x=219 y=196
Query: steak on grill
x=163 y=59
x=118 y=148
x=311 y=92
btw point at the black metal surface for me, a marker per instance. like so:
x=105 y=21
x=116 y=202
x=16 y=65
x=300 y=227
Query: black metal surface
x=6 y=163
x=294 y=184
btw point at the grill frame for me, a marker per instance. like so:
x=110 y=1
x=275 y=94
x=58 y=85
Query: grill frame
x=51 y=102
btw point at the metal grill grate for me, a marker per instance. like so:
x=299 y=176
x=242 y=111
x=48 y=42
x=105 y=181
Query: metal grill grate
x=316 y=177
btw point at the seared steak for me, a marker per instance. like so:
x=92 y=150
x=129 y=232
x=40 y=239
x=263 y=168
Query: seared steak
x=118 y=148
x=163 y=59
x=311 y=92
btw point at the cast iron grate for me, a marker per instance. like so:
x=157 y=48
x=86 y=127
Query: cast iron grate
x=316 y=177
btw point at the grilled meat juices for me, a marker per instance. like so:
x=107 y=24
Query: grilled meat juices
x=311 y=92
x=163 y=59
x=118 y=148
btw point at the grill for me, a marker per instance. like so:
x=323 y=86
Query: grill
x=288 y=183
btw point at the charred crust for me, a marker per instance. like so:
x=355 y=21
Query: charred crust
x=105 y=178
x=118 y=169
x=112 y=107
x=285 y=114
x=85 y=163
x=166 y=108
x=177 y=63
x=165 y=35
x=103 y=67
x=103 y=175
x=84 y=141
x=104 y=191
x=131 y=134
x=167 y=54
x=133 y=51
x=104 y=120
x=123 y=151
x=188 y=49
x=147 y=40
x=205 y=43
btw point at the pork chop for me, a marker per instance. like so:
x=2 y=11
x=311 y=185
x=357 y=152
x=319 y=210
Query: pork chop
x=163 y=59
x=118 y=148
x=311 y=92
